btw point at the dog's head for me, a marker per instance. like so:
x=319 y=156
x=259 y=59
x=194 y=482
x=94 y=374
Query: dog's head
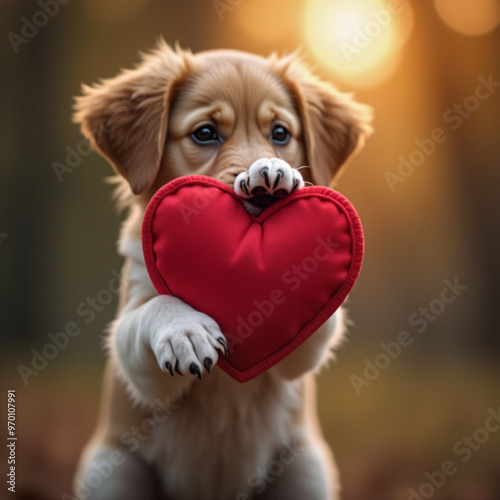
x=214 y=113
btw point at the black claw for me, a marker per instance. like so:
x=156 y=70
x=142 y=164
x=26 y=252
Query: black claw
x=295 y=185
x=195 y=370
x=168 y=366
x=223 y=343
x=208 y=364
x=243 y=186
x=177 y=368
x=279 y=175
x=264 y=173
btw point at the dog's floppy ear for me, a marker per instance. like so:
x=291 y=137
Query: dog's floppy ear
x=334 y=125
x=125 y=118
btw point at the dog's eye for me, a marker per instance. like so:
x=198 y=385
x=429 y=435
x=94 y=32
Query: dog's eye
x=280 y=135
x=206 y=134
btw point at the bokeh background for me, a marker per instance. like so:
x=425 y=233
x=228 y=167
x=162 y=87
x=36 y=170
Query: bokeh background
x=429 y=216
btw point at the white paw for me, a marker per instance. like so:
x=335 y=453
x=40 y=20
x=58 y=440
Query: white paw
x=268 y=176
x=188 y=341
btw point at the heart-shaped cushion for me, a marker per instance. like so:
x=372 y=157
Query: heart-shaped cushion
x=270 y=281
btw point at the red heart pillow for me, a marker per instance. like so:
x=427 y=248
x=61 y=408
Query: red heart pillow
x=269 y=281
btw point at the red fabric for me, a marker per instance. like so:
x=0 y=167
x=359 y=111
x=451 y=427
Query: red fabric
x=269 y=281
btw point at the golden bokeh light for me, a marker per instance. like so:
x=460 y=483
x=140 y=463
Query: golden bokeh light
x=469 y=17
x=358 y=41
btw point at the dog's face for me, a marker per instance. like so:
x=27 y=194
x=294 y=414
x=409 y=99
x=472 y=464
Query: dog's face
x=215 y=113
x=231 y=111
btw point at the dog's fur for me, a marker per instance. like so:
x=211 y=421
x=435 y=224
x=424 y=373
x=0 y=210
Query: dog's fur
x=216 y=436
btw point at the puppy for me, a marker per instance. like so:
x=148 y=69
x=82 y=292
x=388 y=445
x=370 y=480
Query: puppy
x=172 y=425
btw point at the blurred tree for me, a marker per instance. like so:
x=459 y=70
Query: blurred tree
x=475 y=176
x=29 y=200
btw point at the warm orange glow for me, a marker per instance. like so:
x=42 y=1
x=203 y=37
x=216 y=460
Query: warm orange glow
x=358 y=40
x=404 y=21
x=113 y=10
x=469 y=17
x=258 y=19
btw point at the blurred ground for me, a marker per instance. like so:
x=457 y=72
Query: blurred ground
x=405 y=424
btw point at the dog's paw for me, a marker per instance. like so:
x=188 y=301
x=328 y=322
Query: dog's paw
x=267 y=180
x=188 y=343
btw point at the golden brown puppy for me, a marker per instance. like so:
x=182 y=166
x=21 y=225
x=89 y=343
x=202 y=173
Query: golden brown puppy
x=172 y=425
